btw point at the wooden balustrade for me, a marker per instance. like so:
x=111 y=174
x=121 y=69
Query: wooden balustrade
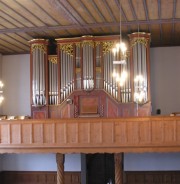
x=90 y=135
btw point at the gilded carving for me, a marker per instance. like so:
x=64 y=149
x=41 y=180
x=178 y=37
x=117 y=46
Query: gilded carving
x=140 y=40
x=97 y=43
x=68 y=48
x=107 y=46
x=39 y=46
x=52 y=58
x=88 y=42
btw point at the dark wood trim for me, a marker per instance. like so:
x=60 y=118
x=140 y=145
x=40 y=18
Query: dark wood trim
x=151 y=177
x=37 y=177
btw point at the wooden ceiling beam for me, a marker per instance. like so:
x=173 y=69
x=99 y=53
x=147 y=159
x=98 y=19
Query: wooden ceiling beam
x=87 y=26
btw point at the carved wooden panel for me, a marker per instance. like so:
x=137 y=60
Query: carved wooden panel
x=88 y=105
x=112 y=109
x=91 y=135
x=96 y=103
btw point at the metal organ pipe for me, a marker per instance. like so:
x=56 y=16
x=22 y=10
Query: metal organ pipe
x=53 y=83
x=33 y=78
x=67 y=71
x=84 y=68
x=39 y=53
x=64 y=75
x=62 y=83
x=140 y=45
x=50 y=82
x=88 y=78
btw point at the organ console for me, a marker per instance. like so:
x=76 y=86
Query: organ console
x=87 y=67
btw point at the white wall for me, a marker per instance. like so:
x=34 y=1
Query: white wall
x=38 y=162
x=16 y=77
x=72 y=162
x=152 y=161
x=165 y=75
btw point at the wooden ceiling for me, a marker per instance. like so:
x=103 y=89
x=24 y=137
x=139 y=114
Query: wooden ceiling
x=23 y=20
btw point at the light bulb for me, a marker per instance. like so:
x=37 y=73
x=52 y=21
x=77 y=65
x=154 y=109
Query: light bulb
x=114 y=73
x=1 y=99
x=118 y=46
x=123 y=47
x=124 y=75
x=1 y=84
x=114 y=50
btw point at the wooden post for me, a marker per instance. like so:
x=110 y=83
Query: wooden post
x=118 y=168
x=60 y=168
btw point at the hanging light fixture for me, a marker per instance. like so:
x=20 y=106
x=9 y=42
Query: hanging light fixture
x=120 y=56
x=140 y=78
x=1 y=92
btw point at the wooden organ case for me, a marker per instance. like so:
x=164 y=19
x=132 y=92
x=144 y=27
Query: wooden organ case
x=78 y=81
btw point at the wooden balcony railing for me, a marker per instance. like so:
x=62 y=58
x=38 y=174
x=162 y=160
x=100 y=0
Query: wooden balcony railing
x=90 y=135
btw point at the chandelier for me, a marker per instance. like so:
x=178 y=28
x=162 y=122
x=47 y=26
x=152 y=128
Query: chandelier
x=119 y=52
x=1 y=92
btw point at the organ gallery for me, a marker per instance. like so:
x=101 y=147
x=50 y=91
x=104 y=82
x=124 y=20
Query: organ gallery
x=87 y=78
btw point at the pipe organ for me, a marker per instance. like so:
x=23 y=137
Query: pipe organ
x=85 y=65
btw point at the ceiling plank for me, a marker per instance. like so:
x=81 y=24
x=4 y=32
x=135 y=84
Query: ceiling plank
x=123 y=13
x=19 y=13
x=159 y=16
x=173 y=25
x=69 y=12
x=146 y=13
x=132 y=10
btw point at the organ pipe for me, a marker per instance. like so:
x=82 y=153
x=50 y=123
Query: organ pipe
x=53 y=80
x=38 y=65
x=88 y=65
x=67 y=70
x=140 y=50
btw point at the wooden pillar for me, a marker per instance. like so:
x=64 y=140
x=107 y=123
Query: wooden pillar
x=118 y=161
x=60 y=168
